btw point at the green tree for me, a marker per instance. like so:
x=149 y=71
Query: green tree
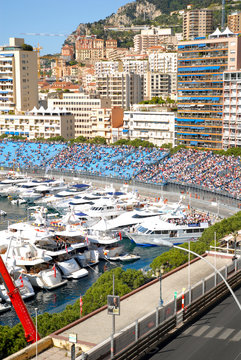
x=98 y=140
x=27 y=47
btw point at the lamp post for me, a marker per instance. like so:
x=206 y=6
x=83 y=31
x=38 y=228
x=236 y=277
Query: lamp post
x=235 y=244
x=159 y=273
x=169 y=244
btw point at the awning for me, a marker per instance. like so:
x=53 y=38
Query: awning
x=199 y=98
x=190 y=120
x=200 y=68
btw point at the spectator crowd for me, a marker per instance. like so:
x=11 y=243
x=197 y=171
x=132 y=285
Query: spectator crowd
x=150 y=165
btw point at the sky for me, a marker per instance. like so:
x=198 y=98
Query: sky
x=50 y=16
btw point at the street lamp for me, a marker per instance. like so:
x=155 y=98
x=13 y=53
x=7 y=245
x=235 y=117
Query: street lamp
x=159 y=273
x=235 y=244
x=169 y=244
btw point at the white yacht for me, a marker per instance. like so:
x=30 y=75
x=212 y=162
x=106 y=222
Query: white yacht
x=126 y=220
x=52 y=200
x=25 y=289
x=106 y=207
x=88 y=258
x=175 y=228
x=107 y=244
x=49 y=187
x=62 y=254
x=34 y=264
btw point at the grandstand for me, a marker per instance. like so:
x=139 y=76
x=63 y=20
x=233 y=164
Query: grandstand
x=149 y=165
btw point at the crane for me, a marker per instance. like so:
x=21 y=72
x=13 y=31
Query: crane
x=43 y=34
x=31 y=334
x=37 y=49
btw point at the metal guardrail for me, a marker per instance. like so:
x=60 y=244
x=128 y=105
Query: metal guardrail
x=171 y=186
x=138 y=338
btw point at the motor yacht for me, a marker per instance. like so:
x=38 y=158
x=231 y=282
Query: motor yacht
x=34 y=263
x=25 y=289
x=108 y=244
x=176 y=228
x=87 y=258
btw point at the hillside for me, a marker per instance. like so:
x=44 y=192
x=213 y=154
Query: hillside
x=149 y=12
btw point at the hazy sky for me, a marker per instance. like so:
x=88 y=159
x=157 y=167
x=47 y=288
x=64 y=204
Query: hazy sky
x=50 y=16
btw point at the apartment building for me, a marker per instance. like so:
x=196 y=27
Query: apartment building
x=104 y=121
x=81 y=106
x=39 y=123
x=201 y=64
x=110 y=45
x=232 y=109
x=165 y=62
x=152 y=37
x=160 y=84
x=123 y=89
x=18 y=77
x=234 y=22
x=89 y=48
x=149 y=123
x=107 y=67
x=197 y=23
x=117 y=53
x=135 y=66
x=67 y=52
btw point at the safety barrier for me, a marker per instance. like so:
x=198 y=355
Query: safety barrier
x=139 y=337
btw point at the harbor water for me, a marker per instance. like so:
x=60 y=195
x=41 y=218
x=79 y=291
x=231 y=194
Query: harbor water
x=56 y=300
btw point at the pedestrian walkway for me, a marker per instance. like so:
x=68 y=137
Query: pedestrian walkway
x=97 y=328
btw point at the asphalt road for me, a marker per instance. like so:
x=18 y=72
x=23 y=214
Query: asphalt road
x=215 y=336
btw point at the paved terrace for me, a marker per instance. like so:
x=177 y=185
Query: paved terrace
x=96 y=328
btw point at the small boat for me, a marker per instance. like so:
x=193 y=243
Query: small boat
x=71 y=269
x=4 y=307
x=129 y=257
x=3 y=213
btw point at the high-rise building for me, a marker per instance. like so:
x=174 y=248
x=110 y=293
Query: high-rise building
x=234 y=22
x=135 y=66
x=107 y=67
x=160 y=61
x=159 y=84
x=152 y=37
x=123 y=89
x=18 y=77
x=201 y=64
x=81 y=106
x=232 y=109
x=197 y=23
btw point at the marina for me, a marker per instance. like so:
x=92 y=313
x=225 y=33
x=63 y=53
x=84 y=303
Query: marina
x=80 y=245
